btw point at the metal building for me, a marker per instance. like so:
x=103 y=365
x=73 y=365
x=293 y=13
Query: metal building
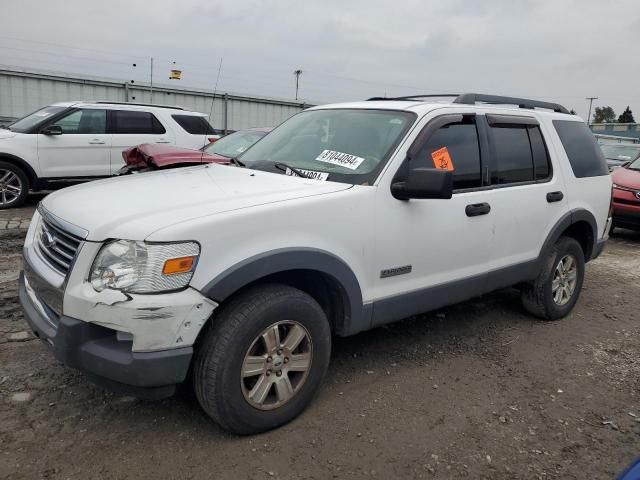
x=23 y=91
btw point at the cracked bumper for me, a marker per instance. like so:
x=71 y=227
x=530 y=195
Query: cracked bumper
x=99 y=352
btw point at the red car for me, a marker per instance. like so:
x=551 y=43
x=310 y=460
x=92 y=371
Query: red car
x=152 y=156
x=626 y=196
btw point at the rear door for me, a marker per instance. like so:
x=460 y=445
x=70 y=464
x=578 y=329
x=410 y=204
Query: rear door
x=133 y=127
x=83 y=149
x=528 y=196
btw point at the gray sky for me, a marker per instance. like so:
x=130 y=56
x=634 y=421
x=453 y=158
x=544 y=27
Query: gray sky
x=558 y=50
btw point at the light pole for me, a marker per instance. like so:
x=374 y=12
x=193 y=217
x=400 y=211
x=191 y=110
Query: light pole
x=297 y=73
x=591 y=99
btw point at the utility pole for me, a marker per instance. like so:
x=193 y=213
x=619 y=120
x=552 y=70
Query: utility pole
x=297 y=73
x=151 y=80
x=591 y=99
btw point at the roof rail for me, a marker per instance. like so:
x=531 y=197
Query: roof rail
x=414 y=97
x=473 y=98
x=174 y=107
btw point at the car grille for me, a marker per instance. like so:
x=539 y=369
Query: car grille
x=57 y=246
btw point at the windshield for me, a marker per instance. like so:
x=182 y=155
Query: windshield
x=623 y=153
x=31 y=120
x=234 y=144
x=341 y=145
x=635 y=165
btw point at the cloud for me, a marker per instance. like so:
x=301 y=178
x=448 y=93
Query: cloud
x=562 y=50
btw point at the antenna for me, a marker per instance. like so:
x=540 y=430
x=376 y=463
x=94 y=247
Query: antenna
x=213 y=101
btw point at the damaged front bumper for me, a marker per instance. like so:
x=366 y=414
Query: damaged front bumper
x=139 y=345
x=96 y=350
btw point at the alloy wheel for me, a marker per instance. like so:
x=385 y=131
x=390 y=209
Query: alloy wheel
x=565 y=279
x=10 y=187
x=276 y=365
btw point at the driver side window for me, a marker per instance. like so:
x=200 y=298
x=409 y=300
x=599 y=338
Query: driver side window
x=86 y=121
x=454 y=146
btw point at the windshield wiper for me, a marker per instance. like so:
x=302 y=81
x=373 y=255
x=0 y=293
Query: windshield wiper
x=284 y=167
x=236 y=162
x=5 y=127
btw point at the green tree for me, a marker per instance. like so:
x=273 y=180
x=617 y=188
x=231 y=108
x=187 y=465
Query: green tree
x=626 y=116
x=604 y=115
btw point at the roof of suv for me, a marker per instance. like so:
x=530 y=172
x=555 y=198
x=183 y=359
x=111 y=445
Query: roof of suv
x=472 y=102
x=133 y=106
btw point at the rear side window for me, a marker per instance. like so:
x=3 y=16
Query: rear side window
x=193 y=124
x=512 y=155
x=520 y=154
x=461 y=143
x=136 y=122
x=585 y=156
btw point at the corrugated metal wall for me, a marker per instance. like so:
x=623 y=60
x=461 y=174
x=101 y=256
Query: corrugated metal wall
x=23 y=91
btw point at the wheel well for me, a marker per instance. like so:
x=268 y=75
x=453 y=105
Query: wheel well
x=325 y=290
x=24 y=166
x=582 y=232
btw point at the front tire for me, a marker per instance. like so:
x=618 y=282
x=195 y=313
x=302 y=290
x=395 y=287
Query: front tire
x=262 y=358
x=554 y=293
x=14 y=185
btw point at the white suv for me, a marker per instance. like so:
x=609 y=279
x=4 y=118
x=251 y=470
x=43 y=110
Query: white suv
x=344 y=218
x=77 y=141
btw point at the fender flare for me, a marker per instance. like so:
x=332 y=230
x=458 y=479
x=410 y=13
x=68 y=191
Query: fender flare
x=356 y=317
x=573 y=216
x=31 y=173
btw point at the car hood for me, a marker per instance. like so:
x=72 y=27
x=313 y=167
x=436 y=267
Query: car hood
x=626 y=177
x=134 y=206
x=4 y=133
x=163 y=156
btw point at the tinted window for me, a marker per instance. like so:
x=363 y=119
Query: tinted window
x=461 y=142
x=580 y=145
x=541 y=162
x=513 y=161
x=84 y=122
x=193 y=124
x=136 y=122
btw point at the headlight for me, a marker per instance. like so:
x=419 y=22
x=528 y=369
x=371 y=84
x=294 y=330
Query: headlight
x=139 y=267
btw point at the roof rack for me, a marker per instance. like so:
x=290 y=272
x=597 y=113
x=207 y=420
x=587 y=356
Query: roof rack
x=473 y=98
x=415 y=97
x=173 y=107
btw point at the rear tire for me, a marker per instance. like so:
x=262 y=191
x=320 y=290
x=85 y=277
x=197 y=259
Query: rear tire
x=14 y=185
x=262 y=358
x=554 y=293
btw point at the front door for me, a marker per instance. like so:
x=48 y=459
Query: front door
x=83 y=149
x=431 y=252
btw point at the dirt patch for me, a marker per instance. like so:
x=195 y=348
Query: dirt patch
x=479 y=390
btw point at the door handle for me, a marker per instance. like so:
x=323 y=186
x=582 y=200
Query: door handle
x=163 y=141
x=476 y=209
x=554 y=196
x=96 y=141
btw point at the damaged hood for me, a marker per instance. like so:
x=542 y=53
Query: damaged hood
x=163 y=156
x=134 y=206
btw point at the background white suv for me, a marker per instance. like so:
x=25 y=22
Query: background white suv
x=77 y=141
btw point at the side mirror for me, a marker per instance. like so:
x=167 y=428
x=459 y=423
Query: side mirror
x=52 y=130
x=424 y=183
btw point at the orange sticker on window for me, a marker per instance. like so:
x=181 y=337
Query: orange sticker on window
x=442 y=159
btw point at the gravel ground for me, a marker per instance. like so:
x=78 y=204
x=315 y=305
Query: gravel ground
x=479 y=390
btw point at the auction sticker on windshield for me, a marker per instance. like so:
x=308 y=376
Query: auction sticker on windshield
x=322 y=176
x=345 y=160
